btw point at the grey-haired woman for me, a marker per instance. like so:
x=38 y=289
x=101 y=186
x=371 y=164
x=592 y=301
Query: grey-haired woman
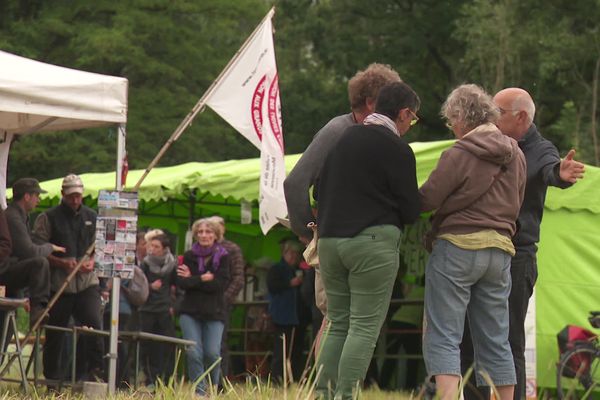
x=476 y=191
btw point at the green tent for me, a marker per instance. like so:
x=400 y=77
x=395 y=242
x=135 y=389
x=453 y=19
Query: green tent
x=568 y=258
x=171 y=196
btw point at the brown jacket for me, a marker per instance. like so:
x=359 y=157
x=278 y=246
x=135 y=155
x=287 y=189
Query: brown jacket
x=478 y=184
x=237 y=265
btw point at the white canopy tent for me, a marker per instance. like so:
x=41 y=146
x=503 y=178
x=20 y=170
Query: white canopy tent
x=37 y=97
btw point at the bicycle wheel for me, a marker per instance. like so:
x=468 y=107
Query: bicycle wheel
x=578 y=373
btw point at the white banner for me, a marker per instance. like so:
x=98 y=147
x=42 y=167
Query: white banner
x=247 y=97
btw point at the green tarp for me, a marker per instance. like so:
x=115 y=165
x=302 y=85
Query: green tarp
x=568 y=258
x=232 y=179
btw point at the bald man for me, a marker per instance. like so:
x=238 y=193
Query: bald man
x=544 y=168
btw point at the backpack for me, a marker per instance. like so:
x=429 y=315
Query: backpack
x=138 y=290
x=568 y=338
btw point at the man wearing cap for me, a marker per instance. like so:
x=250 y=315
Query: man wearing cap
x=72 y=225
x=26 y=197
x=22 y=272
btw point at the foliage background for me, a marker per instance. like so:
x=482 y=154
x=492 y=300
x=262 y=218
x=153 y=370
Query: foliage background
x=171 y=50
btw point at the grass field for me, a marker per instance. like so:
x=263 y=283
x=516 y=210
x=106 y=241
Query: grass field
x=252 y=389
x=249 y=391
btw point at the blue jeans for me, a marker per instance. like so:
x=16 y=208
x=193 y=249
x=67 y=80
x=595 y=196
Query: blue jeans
x=207 y=335
x=473 y=282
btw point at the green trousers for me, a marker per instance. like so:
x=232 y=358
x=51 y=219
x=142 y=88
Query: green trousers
x=358 y=274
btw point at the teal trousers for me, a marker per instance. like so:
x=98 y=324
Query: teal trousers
x=358 y=275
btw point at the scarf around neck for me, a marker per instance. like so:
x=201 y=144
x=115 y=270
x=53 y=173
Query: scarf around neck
x=161 y=265
x=380 y=119
x=215 y=252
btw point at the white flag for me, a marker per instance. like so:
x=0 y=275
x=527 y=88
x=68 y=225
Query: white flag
x=247 y=97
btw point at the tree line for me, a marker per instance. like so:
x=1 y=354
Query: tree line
x=171 y=51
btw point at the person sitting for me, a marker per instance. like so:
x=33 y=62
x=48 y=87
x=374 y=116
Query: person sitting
x=32 y=273
x=26 y=197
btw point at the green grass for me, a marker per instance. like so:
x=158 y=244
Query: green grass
x=251 y=390
x=254 y=388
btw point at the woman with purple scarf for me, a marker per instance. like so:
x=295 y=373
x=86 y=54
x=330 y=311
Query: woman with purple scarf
x=204 y=275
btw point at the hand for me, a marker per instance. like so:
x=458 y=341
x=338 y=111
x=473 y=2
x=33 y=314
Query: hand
x=183 y=271
x=571 y=170
x=207 y=276
x=69 y=264
x=105 y=295
x=296 y=281
x=58 y=249
x=87 y=266
x=156 y=285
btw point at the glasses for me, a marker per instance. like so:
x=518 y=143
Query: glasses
x=504 y=111
x=415 y=119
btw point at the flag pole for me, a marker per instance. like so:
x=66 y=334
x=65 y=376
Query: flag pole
x=200 y=105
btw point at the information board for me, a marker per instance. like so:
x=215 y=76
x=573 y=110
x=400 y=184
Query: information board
x=116 y=230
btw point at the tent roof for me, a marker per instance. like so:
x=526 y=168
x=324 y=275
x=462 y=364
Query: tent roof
x=237 y=179
x=42 y=97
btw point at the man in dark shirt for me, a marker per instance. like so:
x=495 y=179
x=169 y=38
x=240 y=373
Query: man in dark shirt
x=32 y=273
x=283 y=282
x=26 y=197
x=72 y=225
x=363 y=88
x=544 y=168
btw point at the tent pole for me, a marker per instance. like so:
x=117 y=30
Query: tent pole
x=4 y=150
x=192 y=214
x=199 y=107
x=116 y=280
x=121 y=156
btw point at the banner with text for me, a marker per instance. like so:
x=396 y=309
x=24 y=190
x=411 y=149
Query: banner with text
x=247 y=97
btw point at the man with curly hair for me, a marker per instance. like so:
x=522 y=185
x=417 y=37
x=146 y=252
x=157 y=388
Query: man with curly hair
x=362 y=92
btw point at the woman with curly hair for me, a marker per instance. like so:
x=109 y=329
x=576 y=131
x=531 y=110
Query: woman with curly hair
x=204 y=275
x=476 y=189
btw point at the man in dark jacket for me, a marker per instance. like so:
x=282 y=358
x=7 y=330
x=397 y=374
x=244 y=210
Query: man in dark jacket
x=26 y=197
x=544 y=168
x=72 y=225
x=283 y=282
x=31 y=273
